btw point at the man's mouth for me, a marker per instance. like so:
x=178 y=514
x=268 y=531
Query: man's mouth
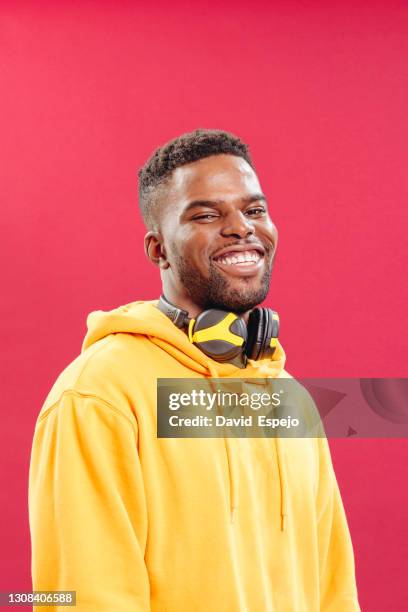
x=240 y=258
x=242 y=264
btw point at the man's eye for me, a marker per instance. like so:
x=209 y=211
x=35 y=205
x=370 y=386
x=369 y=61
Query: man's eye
x=256 y=211
x=207 y=216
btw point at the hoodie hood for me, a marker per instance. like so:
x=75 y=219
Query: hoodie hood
x=143 y=317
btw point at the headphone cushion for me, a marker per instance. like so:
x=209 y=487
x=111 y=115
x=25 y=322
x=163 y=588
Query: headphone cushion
x=261 y=329
x=256 y=322
x=267 y=334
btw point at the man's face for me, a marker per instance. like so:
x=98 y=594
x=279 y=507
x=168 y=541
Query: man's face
x=218 y=239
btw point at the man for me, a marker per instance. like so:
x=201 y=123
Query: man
x=133 y=522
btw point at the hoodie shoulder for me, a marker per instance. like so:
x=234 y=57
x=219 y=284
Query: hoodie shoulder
x=104 y=370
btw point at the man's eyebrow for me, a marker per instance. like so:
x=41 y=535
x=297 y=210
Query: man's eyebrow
x=256 y=197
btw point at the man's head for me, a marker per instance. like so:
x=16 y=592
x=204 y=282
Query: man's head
x=208 y=225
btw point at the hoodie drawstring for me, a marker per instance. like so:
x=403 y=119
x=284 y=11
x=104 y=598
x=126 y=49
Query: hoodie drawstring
x=280 y=456
x=280 y=453
x=232 y=471
x=233 y=479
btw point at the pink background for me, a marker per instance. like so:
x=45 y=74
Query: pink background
x=319 y=90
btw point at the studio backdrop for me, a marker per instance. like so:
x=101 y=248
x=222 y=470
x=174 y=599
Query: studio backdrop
x=319 y=91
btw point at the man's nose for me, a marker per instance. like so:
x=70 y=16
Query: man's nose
x=237 y=224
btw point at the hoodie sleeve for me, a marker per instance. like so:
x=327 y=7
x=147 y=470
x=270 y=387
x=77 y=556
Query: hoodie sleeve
x=87 y=508
x=338 y=592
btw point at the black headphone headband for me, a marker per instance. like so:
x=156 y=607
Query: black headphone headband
x=179 y=317
x=223 y=335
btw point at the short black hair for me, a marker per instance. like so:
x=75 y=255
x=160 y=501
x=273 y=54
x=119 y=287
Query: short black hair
x=184 y=149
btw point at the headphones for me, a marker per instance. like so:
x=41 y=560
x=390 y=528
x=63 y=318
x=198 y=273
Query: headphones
x=223 y=335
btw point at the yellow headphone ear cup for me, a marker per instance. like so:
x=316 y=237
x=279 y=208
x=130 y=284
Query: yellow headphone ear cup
x=219 y=331
x=219 y=334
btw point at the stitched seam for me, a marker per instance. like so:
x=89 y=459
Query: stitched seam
x=86 y=396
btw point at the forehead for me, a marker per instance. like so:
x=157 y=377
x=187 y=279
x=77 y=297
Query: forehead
x=224 y=177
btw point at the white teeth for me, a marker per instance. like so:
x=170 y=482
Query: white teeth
x=240 y=258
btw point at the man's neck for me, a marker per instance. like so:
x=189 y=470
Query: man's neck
x=185 y=303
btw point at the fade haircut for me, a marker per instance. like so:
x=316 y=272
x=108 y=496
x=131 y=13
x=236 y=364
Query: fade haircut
x=184 y=149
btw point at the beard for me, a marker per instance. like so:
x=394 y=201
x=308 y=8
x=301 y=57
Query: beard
x=215 y=291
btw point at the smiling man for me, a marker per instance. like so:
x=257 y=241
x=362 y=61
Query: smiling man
x=214 y=240
x=134 y=522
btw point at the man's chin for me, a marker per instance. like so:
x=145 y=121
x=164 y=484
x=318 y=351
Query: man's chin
x=224 y=291
x=238 y=302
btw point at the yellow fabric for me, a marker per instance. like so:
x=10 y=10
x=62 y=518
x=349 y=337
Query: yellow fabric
x=133 y=522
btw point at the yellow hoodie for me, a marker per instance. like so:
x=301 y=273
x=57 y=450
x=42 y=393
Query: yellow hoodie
x=132 y=522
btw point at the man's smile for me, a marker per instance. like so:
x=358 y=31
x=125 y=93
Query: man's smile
x=241 y=260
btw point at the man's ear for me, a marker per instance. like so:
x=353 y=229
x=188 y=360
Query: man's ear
x=155 y=250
